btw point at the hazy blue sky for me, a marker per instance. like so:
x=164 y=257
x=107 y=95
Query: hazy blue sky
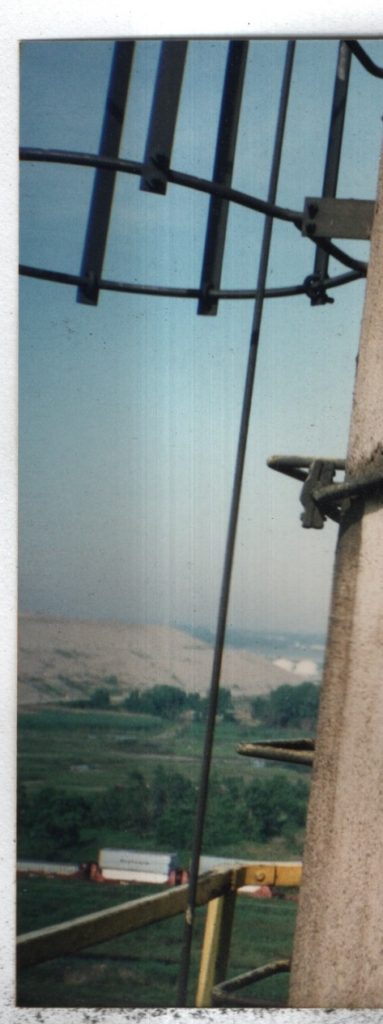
x=129 y=412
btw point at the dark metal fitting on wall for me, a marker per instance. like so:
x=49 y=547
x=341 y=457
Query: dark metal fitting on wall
x=317 y=475
x=320 y=496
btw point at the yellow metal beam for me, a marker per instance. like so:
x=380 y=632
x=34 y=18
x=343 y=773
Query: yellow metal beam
x=215 y=948
x=219 y=918
x=283 y=873
x=81 y=932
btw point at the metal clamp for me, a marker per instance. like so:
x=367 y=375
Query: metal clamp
x=316 y=290
x=330 y=217
x=320 y=496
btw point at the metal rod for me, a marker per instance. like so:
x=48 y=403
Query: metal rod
x=163 y=116
x=61 y=156
x=364 y=59
x=348 y=488
x=284 y=463
x=231 y=535
x=328 y=247
x=57 y=156
x=104 y=182
x=223 y=172
x=59 y=277
x=277 y=752
x=334 y=147
x=249 y=977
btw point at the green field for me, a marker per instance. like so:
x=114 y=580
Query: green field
x=86 y=750
x=141 y=969
x=97 y=773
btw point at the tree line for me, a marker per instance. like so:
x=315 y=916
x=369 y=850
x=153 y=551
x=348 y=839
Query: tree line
x=295 y=706
x=162 y=700
x=170 y=701
x=160 y=809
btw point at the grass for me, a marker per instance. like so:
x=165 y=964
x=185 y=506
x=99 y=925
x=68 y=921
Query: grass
x=141 y=969
x=84 y=751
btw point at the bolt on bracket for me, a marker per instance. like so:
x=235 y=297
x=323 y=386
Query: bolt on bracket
x=326 y=217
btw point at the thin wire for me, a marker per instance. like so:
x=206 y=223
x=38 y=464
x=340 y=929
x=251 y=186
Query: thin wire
x=231 y=535
x=162 y=291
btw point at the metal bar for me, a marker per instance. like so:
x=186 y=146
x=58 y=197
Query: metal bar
x=223 y=172
x=215 y=948
x=231 y=535
x=60 y=156
x=57 y=156
x=277 y=752
x=58 y=277
x=60 y=939
x=163 y=116
x=364 y=59
x=90 y=929
x=257 y=974
x=221 y=991
x=328 y=247
x=287 y=463
x=103 y=188
x=286 y=874
x=348 y=488
x=334 y=147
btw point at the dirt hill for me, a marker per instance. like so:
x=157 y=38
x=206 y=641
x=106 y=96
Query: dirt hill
x=63 y=659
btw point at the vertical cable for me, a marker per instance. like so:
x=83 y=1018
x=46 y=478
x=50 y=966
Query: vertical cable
x=231 y=535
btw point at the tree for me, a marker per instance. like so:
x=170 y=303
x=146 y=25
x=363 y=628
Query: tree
x=226 y=816
x=55 y=820
x=124 y=806
x=224 y=705
x=288 y=705
x=276 y=805
x=162 y=700
x=173 y=803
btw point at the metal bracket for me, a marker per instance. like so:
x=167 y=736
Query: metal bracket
x=325 y=217
x=320 y=496
x=315 y=474
x=321 y=473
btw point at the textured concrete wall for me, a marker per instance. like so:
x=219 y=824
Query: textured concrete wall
x=338 y=949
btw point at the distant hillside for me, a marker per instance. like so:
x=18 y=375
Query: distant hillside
x=63 y=659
